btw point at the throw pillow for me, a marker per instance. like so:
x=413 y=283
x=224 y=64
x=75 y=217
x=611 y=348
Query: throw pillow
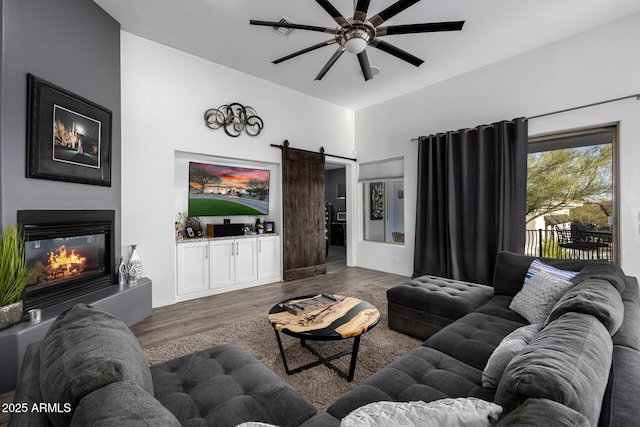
x=511 y=345
x=537 y=265
x=536 y=300
x=468 y=411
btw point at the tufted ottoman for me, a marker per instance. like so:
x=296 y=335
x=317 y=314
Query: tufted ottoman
x=226 y=386
x=426 y=304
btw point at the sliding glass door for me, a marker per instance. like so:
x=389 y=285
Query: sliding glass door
x=571 y=195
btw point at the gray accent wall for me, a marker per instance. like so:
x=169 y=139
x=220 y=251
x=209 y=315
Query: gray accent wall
x=73 y=44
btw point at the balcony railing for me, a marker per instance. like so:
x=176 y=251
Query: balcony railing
x=570 y=244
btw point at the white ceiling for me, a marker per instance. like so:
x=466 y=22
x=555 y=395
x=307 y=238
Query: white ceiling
x=219 y=30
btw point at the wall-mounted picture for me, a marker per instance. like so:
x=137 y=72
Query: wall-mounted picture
x=69 y=137
x=218 y=190
x=376 y=200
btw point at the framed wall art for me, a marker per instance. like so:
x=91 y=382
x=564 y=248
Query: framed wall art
x=68 y=137
x=376 y=201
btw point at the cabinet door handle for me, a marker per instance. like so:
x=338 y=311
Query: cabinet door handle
x=206 y=252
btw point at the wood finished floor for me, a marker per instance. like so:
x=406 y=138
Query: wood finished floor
x=202 y=314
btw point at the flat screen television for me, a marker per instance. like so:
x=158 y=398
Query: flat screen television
x=218 y=190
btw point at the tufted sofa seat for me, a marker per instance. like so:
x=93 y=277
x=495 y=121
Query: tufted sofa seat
x=222 y=385
x=426 y=304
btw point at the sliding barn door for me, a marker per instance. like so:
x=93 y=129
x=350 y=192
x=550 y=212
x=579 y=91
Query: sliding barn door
x=303 y=214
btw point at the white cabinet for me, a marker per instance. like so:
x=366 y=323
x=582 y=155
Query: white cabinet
x=193 y=267
x=233 y=262
x=268 y=257
x=246 y=261
x=222 y=263
x=210 y=266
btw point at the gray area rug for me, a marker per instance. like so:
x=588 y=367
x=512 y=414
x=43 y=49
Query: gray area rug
x=320 y=385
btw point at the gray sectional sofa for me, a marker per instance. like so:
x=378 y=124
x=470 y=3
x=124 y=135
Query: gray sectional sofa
x=580 y=367
x=92 y=371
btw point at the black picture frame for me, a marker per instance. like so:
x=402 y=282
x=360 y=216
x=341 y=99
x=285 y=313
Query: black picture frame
x=376 y=201
x=269 y=227
x=68 y=136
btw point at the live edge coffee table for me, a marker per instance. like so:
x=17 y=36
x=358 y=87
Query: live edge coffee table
x=323 y=318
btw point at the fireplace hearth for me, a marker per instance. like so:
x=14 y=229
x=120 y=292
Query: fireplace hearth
x=72 y=250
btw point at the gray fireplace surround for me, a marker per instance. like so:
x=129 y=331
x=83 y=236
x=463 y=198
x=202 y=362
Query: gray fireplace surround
x=131 y=303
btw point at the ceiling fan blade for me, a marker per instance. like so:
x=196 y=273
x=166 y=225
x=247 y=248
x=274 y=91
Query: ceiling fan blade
x=396 y=51
x=391 y=11
x=432 y=27
x=361 y=10
x=329 y=64
x=364 y=65
x=331 y=10
x=308 y=49
x=294 y=26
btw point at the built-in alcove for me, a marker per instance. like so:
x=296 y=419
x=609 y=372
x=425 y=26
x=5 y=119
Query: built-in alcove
x=182 y=184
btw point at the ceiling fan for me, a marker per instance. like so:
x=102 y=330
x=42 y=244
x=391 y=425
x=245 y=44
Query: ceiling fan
x=355 y=34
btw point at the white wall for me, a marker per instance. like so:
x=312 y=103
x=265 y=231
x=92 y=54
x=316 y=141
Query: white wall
x=165 y=93
x=593 y=66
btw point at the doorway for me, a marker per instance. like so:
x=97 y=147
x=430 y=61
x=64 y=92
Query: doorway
x=336 y=215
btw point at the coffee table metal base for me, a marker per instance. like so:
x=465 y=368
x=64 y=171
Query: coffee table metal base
x=323 y=360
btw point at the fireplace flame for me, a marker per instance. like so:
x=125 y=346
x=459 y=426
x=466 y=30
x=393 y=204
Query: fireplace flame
x=62 y=262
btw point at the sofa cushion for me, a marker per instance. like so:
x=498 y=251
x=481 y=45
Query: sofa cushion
x=537 y=266
x=498 y=306
x=225 y=385
x=28 y=390
x=461 y=412
x=511 y=269
x=536 y=299
x=422 y=374
x=567 y=362
x=620 y=404
x=543 y=412
x=86 y=349
x=603 y=270
x=595 y=297
x=511 y=345
x=628 y=335
x=472 y=338
x=121 y=403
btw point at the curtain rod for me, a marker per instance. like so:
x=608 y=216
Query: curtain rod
x=593 y=104
x=285 y=145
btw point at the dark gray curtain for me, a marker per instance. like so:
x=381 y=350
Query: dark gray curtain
x=471 y=200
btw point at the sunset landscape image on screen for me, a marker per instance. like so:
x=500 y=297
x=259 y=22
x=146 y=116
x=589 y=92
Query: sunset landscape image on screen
x=216 y=190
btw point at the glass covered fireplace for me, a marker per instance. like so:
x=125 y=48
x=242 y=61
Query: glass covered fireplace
x=72 y=251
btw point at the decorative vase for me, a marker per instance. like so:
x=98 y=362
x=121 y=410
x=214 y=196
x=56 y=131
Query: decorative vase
x=122 y=272
x=11 y=314
x=134 y=266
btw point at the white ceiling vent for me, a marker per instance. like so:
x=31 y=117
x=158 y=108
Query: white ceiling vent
x=281 y=30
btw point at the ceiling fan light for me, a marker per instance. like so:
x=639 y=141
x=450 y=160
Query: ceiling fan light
x=355 y=45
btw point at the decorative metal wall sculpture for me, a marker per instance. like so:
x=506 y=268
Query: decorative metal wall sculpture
x=234 y=118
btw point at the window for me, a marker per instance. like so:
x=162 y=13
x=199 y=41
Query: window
x=383 y=200
x=571 y=198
